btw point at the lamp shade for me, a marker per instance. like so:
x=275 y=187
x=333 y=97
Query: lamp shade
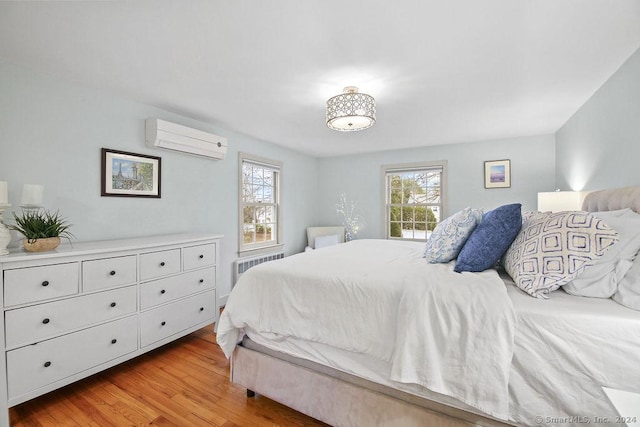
x=558 y=201
x=32 y=195
x=4 y=194
x=351 y=111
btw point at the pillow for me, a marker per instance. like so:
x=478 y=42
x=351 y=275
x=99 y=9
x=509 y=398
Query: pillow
x=328 y=240
x=628 y=292
x=529 y=215
x=490 y=239
x=554 y=248
x=450 y=235
x=601 y=279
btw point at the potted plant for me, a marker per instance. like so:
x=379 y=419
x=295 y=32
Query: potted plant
x=42 y=229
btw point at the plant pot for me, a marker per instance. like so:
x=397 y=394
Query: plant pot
x=41 y=245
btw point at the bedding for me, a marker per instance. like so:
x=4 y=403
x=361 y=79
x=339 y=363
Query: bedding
x=450 y=333
x=601 y=280
x=628 y=292
x=554 y=248
x=566 y=349
x=588 y=344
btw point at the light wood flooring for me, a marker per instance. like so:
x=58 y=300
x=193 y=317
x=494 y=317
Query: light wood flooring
x=185 y=383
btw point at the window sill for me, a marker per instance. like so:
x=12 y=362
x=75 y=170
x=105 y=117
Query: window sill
x=260 y=251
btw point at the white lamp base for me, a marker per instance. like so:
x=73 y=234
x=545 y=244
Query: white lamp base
x=5 y=234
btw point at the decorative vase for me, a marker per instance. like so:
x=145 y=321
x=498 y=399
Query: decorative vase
x=41 y=245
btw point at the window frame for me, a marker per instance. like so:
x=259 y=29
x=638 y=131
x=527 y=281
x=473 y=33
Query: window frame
x=246 y=249
x=409 y=167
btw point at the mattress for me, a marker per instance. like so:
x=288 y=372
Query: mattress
x=566 y=349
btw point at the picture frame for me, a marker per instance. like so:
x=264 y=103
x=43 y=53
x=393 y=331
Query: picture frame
x=127 y=174
x=497 y=173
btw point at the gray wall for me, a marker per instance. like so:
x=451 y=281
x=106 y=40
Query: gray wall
x=599 y=147
x=359 y=177
x=51 y=132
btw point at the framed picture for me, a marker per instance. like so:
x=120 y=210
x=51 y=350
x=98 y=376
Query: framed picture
x=497 y=174
x=129 y=174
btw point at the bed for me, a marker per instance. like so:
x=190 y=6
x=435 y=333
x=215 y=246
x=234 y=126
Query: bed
x=369 y=333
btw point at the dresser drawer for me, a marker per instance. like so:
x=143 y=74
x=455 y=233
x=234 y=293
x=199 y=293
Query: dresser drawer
x=199 y=256
x=108 y=273
x=158 y=264
x=170 y=288
x=37 y=322
x=31 y=284
x=170 y=319
x=34 y=366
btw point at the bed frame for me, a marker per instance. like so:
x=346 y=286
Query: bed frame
x=341 y=399
x=337 y=398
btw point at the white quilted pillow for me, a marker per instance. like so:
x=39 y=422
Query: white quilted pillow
x=554 y=248
x=601 y=279
x=450 y=235
x=628 y=293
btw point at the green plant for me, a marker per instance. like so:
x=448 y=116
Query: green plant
x=41 y=224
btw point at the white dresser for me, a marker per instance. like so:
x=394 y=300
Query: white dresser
x=85 y=307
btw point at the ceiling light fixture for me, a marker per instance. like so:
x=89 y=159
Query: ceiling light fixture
x=351 y=110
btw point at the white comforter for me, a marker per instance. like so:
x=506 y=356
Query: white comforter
x=451 y=333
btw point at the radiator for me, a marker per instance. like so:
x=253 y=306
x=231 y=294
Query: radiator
x=241 y=265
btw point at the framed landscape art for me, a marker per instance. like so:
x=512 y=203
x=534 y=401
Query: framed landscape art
x=497 y=174
x=130 y=175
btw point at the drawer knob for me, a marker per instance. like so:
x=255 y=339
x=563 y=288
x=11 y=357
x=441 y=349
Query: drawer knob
x=201 y=256
x=162 y=291
x=113 y=341
x=112 y=272
x=201 y=308
x=163 y=323
x=113 y=304
x=45 y=320
x=201 y=280
x=45 y=283
x=47 y=364
x=162 y=264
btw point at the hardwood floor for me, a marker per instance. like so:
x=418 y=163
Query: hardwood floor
x=185 y=383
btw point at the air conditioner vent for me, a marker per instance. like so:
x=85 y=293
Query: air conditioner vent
x=171 y=136
x=241 y=265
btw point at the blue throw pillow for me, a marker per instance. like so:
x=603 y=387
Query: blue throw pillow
x=491 y=239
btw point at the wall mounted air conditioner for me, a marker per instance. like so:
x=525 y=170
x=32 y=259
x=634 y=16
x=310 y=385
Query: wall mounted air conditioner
x=171 y=136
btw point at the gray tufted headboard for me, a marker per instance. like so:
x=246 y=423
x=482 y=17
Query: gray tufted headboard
x=610 y=200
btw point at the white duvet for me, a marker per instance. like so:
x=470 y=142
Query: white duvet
x=451 y=333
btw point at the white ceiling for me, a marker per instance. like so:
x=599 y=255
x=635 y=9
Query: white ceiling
x=441 y=71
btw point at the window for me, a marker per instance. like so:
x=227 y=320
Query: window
x=259 y=197
x=414 y=199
